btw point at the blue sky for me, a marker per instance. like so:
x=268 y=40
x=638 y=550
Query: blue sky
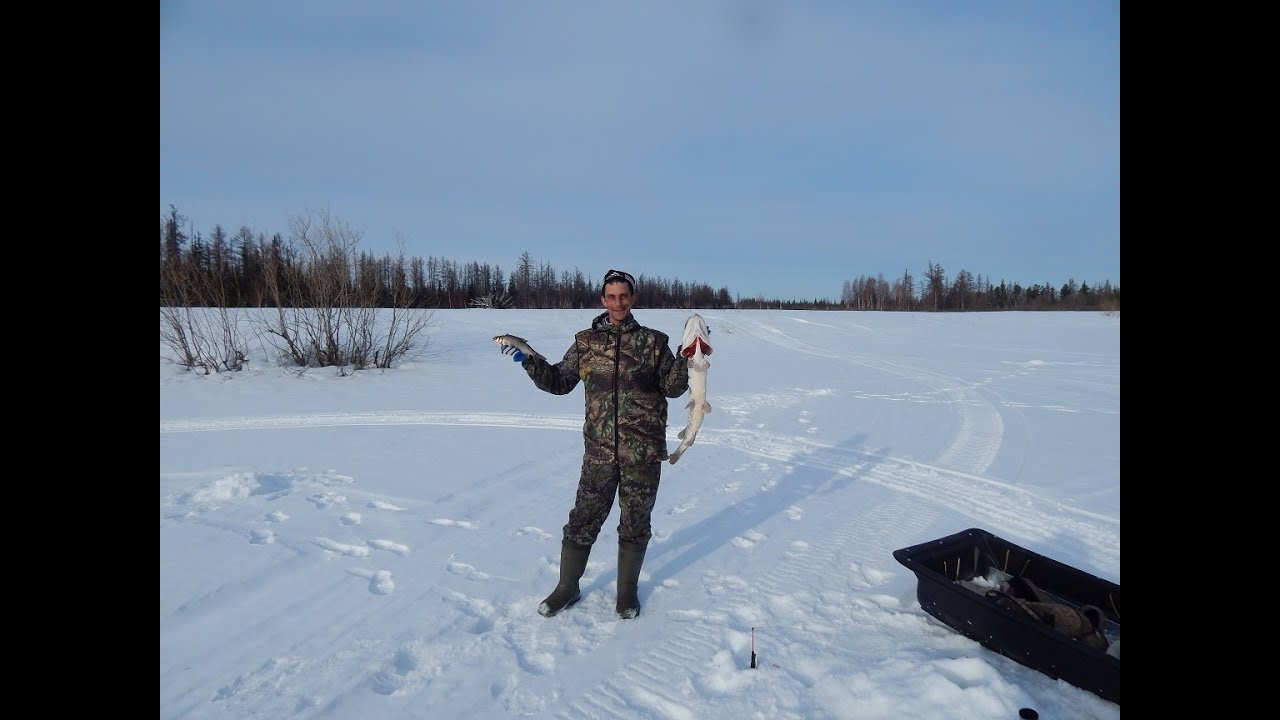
x=776 y=149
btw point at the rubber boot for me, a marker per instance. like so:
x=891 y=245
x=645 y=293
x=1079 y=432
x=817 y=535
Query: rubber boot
x=630 y=558
x=573 y=562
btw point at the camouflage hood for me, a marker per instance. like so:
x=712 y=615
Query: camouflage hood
x=629 y=372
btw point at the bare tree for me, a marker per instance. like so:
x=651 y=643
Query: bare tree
x=935 y=284
x=198 y=323
x=328 y=302
x=403 y=335
x=962 y=290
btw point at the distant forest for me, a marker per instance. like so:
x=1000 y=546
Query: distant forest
x=320 y=259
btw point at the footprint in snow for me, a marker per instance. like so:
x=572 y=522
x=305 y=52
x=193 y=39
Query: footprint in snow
x=390 y=546
x=445 y=522
x=467 y=571
x=748 y=540
x=534 y=532
x=323 y=500
x=867 y=577
x=380 y=581
x=348 y=549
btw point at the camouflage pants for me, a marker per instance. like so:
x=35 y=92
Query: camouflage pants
x=637 y=489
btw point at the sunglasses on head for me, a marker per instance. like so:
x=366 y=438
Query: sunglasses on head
x=615 y=275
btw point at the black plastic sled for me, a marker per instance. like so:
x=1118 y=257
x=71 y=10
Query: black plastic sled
x=1046 y=615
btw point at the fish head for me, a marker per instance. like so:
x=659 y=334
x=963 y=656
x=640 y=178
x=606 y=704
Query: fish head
x=696 y=337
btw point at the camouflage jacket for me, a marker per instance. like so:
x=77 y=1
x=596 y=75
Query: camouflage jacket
x=629 y=373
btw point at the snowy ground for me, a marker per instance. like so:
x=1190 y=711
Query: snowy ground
x=375 y=546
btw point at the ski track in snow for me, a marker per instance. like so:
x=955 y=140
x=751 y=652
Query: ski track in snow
x=987 y=501
x=970 y=493
x=976 y=441
x=282 y=422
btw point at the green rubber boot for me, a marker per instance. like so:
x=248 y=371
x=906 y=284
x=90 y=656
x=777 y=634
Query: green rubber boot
x=573 y=562
x=630 y=558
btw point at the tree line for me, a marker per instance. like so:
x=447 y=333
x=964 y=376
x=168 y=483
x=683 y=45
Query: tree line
x=969 y=292
x=319 y=261
x=252 y=270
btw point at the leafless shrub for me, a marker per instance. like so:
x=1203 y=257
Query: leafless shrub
x=493 y=301
x=340 y=322
x=200 y=332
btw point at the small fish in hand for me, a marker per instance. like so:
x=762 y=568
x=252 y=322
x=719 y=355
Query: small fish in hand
x=512 y=344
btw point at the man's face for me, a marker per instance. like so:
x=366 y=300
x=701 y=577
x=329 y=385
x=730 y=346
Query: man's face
x=617 y=299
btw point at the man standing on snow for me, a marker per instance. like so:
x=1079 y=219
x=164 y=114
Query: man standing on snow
x=628 y=372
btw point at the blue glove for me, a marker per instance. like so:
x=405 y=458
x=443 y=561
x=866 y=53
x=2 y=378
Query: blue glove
x=517 y=356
